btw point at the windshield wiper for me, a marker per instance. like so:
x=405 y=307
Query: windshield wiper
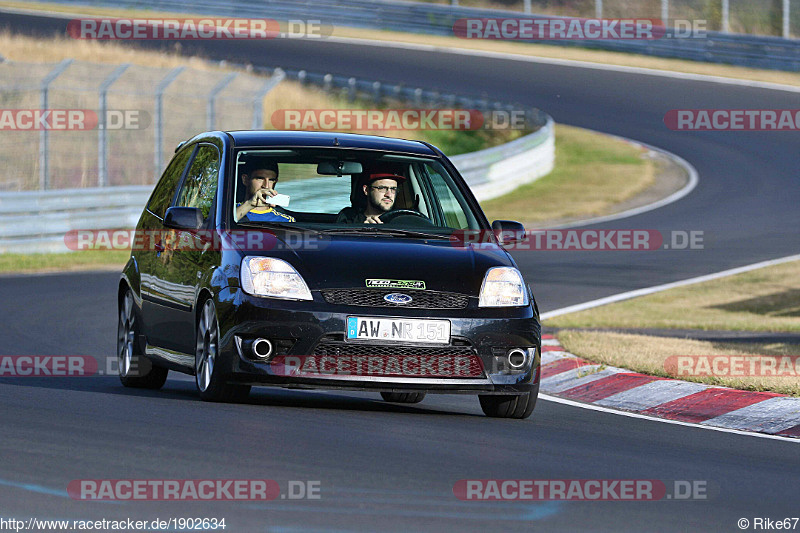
x=377 y=229
x=281 y=225
x=415 y=233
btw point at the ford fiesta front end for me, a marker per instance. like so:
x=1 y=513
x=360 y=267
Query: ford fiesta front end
x=332 y=261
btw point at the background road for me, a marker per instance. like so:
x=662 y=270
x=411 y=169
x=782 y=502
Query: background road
x=390 y=467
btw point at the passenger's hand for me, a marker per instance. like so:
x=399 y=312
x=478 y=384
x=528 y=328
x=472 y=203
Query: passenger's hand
x=261 y=196
x=373 y=219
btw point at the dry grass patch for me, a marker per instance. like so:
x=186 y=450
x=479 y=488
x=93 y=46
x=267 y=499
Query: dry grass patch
x=648 y=355
x=767 y=299
x=85 y=260
x=593 y=173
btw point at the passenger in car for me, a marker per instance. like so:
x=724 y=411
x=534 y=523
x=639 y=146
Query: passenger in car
x=380 y=191
x=259 y=178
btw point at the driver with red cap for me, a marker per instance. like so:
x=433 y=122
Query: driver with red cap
x=381 y=191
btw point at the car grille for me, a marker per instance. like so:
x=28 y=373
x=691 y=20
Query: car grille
x=439 y=358
x=374 y=298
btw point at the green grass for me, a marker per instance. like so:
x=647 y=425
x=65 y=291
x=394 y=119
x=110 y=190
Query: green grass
x=592 y=174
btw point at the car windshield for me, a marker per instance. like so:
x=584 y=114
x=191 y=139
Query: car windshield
x=341 y=190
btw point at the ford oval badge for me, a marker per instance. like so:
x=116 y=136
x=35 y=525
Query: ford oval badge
x=397 y=298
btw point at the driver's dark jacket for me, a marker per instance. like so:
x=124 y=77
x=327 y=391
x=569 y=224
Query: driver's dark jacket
x=351 y=215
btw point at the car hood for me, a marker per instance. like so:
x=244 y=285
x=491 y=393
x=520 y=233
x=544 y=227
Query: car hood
x=345 y=261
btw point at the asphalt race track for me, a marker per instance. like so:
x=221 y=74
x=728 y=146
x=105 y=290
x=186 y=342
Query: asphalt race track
x=392 y=468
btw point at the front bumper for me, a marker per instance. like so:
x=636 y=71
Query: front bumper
x=315 y=331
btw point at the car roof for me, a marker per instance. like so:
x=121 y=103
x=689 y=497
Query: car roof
x=262 y=138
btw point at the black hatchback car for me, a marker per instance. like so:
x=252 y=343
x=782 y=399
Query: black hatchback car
x=325 y=261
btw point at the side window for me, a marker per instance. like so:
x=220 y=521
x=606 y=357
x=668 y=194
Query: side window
x=453 y=212
x=200 y=185
x=165 y=190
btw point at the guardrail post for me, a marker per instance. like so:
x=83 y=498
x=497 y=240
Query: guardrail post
x=725 y=16
x=258 y=101
x=665 y=13
x=102 y=139
x=211 y=115
x=351 y=89
x=786 y=30
x=376 y=92
x=527 y=7
x=598 y=9
x=44 y=134
x=327 y=81
x=159 y=118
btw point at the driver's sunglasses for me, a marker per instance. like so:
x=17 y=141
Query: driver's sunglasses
x=383 y=188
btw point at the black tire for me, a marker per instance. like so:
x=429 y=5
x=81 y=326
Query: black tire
x=403 y=397
x=518 y=406
x=211 y=386
x=135 y=370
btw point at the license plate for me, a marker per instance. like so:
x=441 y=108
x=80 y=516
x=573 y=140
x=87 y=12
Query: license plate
x=398 y=330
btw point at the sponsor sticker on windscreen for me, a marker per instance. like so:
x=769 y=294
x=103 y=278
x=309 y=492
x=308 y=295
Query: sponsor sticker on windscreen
x=395 y=284
x=398 y=330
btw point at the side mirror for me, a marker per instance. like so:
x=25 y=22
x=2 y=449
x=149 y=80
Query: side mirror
x=189 y=218
x=509 y=231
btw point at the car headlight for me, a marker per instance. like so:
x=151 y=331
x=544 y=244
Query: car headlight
x=275 y=278
x=503 y=287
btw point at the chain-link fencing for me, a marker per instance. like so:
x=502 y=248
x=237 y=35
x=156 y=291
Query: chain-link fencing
x=78 y=124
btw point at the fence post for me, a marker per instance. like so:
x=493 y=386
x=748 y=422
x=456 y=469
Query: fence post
x=258 y=101
x=598 y=9
x=665 y=13
x=786 y=30
x=159 y=118
x=44 y=137
x=102 y=139
x=527 y=6
x=211 y=115
x=725 y=16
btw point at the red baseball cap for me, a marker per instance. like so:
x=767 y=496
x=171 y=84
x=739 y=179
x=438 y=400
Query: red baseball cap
x=384 y=176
